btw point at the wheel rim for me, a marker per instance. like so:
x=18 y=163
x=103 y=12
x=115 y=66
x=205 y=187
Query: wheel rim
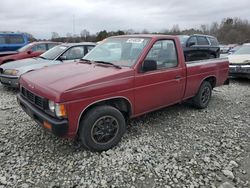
x=205 y=95
x=105 y=130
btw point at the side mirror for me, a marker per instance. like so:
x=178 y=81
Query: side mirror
x=63 y=58
x=29 y=52
x=149 y=65
x=189 y=44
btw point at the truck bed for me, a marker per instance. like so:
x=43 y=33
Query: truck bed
x=197 y=71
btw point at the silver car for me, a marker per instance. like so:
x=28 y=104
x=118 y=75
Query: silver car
x=64 y=53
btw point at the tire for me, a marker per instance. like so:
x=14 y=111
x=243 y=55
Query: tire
x=203 y=97
x=102 y=128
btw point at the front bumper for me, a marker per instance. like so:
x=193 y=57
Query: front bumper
x=9 y=80
x=58 y=127
x=239 y=70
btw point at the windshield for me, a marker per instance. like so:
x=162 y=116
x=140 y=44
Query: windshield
x=53 y=52
x=122 y=51
x=183 y=38
x=245 y=49
x=24 y=48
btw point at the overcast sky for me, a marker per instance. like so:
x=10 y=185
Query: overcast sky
x=42 y=17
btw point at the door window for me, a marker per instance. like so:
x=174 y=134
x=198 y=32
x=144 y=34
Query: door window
x=89 y=48
x=15 y=39
x=39 y=47
x=202 y=40
x=74 y=53
x=213 y=41
x=2 y=40
x=193 y=40
x=164 y=53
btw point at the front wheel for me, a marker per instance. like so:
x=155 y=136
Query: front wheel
x=102 y=128
x=203 y=97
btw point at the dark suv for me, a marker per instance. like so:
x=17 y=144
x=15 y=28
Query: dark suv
x=198 y=47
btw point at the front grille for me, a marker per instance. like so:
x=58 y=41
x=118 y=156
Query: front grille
x=37 y=100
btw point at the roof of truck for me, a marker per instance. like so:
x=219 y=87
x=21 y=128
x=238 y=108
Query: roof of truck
x=145 y=36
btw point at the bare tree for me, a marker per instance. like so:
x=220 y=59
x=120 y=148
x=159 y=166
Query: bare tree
x=55 y=35
x=84 y=34
x=175 y=30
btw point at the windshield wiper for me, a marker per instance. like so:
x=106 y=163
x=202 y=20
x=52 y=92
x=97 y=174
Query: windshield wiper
x=85 y=61
x=108 y=63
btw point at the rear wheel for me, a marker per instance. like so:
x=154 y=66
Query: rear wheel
x=102 y=128
x=203 y=97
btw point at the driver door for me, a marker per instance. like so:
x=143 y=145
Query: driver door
x=163 y=86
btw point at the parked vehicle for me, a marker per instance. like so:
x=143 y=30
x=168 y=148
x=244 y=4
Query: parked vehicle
x=234 y=49
x=199 y=47
x=33 y=49
x=240 y=62
x=224 y=49
x=64 y=53
x=92 y=99
x=10 y=41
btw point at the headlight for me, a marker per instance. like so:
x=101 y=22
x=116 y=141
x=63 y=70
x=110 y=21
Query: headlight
x=11 y=72
x=58 y=109
x=52 y=106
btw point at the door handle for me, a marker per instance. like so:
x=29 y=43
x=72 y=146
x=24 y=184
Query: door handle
x=178 y=77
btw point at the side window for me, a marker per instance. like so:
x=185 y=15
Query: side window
x=202 y=40
x=15 y=39
x=2 y=40
x=213 y=41
x=39 y=47
x=164 y=53
x=74 y=53
x=193 y=40
x=89 y=48
x=51 y=45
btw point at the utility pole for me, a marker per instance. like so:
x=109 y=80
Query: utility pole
x=73 y=25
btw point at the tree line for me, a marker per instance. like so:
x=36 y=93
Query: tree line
x=228 y=31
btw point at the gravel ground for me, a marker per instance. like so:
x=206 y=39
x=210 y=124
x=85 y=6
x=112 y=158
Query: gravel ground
x=178 y=146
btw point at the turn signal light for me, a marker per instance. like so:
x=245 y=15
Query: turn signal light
x=46 y=125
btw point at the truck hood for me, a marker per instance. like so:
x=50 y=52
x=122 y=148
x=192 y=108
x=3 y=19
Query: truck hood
x=239 y=59
x=26 y=65
x=72 y=81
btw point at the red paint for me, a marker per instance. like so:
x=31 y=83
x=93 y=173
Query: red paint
x=80 y=85
x=24 y=54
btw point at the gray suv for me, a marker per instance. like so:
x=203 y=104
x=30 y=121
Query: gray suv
x=199 y=47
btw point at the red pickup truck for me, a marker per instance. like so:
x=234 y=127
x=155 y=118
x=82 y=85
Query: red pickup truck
x=122 y=78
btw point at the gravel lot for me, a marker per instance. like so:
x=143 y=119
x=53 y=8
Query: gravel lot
x=178 y=146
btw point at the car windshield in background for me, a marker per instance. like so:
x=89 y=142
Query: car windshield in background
x=183 y=38
x=24 y=48
x=53 y=52
x=245 y=49
x=122 y=51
